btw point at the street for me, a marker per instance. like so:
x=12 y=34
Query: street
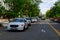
x=29 y=19
x=37 y=31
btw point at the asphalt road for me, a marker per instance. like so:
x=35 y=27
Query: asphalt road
x=37 y=31
x=56 y=25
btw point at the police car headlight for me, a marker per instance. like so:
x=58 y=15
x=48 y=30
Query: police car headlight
x=21 y=25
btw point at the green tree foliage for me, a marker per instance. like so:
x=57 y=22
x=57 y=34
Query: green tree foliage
x=1 y=10
x=54 y=11
x=48 y=14
x=10 y=14
x=24 y=7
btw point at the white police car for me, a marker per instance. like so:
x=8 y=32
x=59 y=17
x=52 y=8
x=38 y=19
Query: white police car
x=17 y=24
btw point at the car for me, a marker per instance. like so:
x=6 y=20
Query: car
x=33 y=19
x=55 y=19
x=43 y=18
x=58 y=19
x=17 y=24
x=52 y=19
x=28 y=21
x=38 y=19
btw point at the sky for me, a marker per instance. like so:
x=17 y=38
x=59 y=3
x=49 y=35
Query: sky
x=46 y=5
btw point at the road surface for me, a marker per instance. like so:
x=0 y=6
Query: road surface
x=37 y=31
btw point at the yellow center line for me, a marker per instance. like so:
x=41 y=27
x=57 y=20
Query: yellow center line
x=57 y=32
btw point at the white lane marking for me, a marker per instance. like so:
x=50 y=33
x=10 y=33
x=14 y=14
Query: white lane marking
x=42 y=30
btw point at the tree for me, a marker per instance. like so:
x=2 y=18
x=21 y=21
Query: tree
x=48 y=14
x=2 y=10
x=24 y=7
x=54 y=11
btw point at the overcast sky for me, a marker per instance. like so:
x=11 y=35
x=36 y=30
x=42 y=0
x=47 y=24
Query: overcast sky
x=0 y=0
x=47 y=4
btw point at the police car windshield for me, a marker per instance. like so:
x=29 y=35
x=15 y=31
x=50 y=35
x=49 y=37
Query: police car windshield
x=18 y=20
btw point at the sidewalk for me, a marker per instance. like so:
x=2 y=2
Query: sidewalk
x=4 y=22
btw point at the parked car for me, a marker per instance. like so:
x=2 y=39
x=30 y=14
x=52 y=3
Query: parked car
x=28 y=20
x=57 y=19
x=38 y=19
x=43 y=18
x=34 y=19
x=17 y=24
x=52 y=19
